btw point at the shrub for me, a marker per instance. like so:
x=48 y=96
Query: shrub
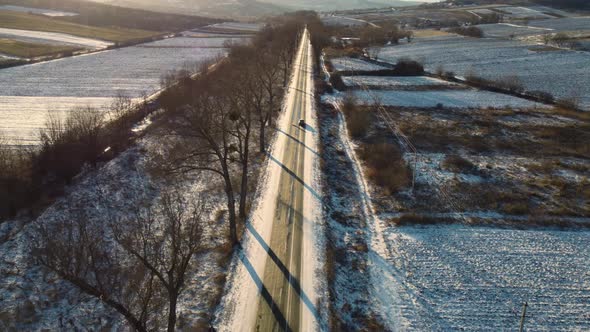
x=358 y=119
x=66 y=145
x=15 y=180
x=510 y=83
x=543 y=96
x=408 y=67
x=571 y=104
x=385 y=166
x=458 y=164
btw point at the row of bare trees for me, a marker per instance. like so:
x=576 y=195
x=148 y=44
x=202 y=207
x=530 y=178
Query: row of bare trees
x=217 y=123
x=215 y=120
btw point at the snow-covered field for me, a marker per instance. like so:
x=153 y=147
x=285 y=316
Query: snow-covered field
x=346 y=63
x=505 y=30
x=333 y=20
x=237 y=26
x=477 y=279
x=92 y=79
x=38 y=11
x=523 y=12
x=53 y=37
x=395 y=81
x=536 y=27
x=562 y=73
x=22 y=118
x=448 y=98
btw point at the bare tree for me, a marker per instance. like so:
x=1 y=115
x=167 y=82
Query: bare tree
x=79 y=252
x=140 y=274
x=164 y=243
x=203 y=138
x=267 y=72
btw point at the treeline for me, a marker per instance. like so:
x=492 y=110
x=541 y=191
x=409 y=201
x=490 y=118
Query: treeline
x=102 y=15
x=31 y=178
x=216 y=122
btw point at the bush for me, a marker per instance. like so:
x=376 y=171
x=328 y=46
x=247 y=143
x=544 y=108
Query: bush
x=15 y=180
x=458 y=164
x=571 y=104
x=407 y=67
x=543 y=96
x=509 y=83
x=358 y=119
x=385 y=166
x=66 y=145
x=468 y=31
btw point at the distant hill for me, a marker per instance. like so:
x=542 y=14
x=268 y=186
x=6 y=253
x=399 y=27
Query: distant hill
x=252 y=8
x=240 y=9
x=327 y=5
x=102 y=15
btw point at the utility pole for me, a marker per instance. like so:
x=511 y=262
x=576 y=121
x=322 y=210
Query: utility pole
x=523 y=317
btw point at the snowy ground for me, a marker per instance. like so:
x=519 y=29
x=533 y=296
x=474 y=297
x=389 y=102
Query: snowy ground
x=477 y=279
x=236 y=26
x=523 y=12
x=333 y=20
x=562 y=73
x=23 y=117
x=38 y=11
x=447 y=98
x=53 y=37
x=346 y=63
x=33 y=299
x=396 y=82
x=92 y=79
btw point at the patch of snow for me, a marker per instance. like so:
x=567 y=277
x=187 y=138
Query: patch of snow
x=448 y=98
x=394 y=81
x=55 y=37
x=38 y=11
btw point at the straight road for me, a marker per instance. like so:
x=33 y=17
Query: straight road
x=280 y=308
x=274 y=285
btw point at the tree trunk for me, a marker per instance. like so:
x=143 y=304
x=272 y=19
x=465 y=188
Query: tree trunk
x=231 y=206
x=173 y=298
x=262 y=136
x=244 y=191
x=244 y=185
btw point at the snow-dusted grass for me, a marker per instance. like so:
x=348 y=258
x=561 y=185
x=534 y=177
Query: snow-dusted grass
x=53 y=37
x=562 y=73
x=347 y=64
x=92 y=79
x=395 y=82
x=446 y=98
x=462 y=278
x=38 y=11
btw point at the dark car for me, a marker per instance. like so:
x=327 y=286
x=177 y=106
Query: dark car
x=301 y=123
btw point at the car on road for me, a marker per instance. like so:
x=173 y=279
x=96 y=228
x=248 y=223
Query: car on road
x=301 y=123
